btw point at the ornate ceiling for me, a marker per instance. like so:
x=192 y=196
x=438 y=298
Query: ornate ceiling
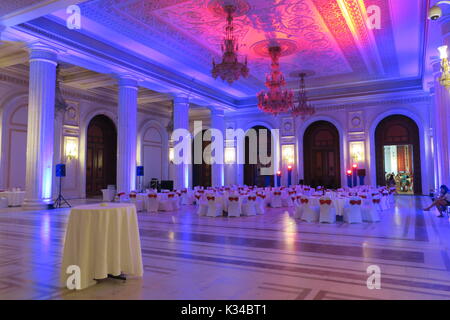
x=329 y=37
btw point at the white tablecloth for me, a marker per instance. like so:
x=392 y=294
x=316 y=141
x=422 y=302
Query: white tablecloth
x=15 y=198
x=102 y=240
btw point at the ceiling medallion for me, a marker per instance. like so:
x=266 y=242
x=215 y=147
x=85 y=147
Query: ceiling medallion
x=303 y=107
x=230 y=69
x=277 y=99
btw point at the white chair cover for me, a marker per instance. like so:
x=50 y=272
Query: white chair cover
x=299 y=206
x=214 y=207
x=152 y=203
x=249 y=206
x=202 y=207
x=369 y=212
x=138 y=203
x=327 y=210
x=275 y=202
x=3 y=203
x=310 y=212
x=234 y=206
x=260 y=204
x=352 y=211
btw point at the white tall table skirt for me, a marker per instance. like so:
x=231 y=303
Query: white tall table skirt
x=102 y=240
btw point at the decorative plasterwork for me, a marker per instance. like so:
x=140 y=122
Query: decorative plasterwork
x=287 y=127
x=355 y=121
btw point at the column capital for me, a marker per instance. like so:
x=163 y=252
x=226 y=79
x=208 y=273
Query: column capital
x=127 y=81
x=42 y=52
x=180 y=99
x=217 y=112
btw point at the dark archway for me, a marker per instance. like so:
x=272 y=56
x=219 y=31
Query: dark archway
x=321 y=155
x=101 y=157
x=402 y=133
x=253 y=164
x=201 y=172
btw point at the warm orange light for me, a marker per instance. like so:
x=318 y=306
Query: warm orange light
x=289 y=168
x=355 y=166
x=349 y=172
x=278 y=173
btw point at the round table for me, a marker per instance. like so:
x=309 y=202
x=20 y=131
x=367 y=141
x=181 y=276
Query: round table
x=102 y=240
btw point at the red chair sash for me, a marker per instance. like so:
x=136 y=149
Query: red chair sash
x=262 y=196
x=121 y=194
x=170 y=195
x=233 y=198
x=355 y=202
x=328 y=202
x=376 y=200
x=277 y=193
x=251 y=198
x=197 y=196
x=132 y=195
x=152 y=195
x=304 y=200
x=211 y=198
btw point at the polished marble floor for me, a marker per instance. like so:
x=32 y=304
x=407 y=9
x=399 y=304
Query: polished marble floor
x=263 y=257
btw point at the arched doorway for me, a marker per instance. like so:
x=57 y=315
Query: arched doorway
x=253 y=167
x=397 y=148
x=101 y=157
x=201 y=172
x=321 y=150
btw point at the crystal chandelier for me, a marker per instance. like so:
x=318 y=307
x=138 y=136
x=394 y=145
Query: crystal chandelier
x=303 y=108
x=230 y=69
x=277 y=99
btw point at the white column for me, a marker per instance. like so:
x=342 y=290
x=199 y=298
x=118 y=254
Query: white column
x=127 y=134
x=217 y=169
x=441 y=111
x=40 y=135
x=181 y=121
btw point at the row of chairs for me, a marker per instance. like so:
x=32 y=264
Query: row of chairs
x=213 y=207
x=354 y=211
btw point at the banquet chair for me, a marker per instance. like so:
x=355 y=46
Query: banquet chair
x=249 y=206
x=202 y=207
x=298 y=207
x=352 y=211
x=234 y=206
x=186 y=198
x=166 y=204
x=327 y=210
x=214 y=207
x=138 y=203
x=376 y=200
x=174 y=200
x=108 y=195
x=122 y=197
x=310 y=211
x=369 y=212
x=286 y=199
x=3 y=202
x=276 y=199
x=152 y=202
x=260 y=204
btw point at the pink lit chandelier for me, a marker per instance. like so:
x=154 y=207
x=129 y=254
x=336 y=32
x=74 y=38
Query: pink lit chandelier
x=277 y=99
x=303 y=108
x=230 y=69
